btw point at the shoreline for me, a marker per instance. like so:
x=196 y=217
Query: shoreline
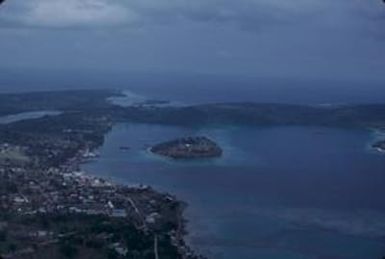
x=58 y=187
x=179 y=239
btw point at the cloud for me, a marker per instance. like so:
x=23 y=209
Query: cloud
x=76 y=12
x=246 y=13
x=69 y=13
x=300 y=16
x=299 y=38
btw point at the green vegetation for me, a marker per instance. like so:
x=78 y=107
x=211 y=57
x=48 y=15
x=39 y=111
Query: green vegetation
x=188 y=148
x=79 y=103
x=259 y=115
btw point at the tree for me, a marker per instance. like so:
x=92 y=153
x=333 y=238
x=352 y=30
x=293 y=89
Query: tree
x=3 y=236
x=111 y=254
x=12 y=247
x=69 y=250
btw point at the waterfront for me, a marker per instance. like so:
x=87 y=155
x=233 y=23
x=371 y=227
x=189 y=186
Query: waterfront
x=281 y=192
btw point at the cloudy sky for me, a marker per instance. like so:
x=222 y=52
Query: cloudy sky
x=286 y=38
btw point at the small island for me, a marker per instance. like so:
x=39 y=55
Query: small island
x=188 y=148
x=380 y=146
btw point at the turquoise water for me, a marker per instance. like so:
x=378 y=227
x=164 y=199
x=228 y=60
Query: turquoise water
x=278 y=192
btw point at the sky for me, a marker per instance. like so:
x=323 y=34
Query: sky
x=332 y=39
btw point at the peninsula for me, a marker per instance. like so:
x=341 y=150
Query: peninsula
x=188 y=148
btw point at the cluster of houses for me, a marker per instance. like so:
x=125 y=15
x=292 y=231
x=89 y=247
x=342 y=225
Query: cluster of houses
x=64 y=190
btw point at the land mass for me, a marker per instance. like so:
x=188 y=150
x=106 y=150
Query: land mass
x=49 y=209
x=258 y=114
x=188 y=148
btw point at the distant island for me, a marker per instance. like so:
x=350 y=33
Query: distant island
x=188 y=148
x=380 y=146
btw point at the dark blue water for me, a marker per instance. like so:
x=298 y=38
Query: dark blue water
x=287 y=192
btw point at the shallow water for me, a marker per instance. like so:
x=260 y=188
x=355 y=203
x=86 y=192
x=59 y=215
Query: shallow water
x=280 y=192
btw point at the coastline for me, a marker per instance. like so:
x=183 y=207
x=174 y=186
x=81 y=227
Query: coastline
x=180 y=233
x=55 y=186
x=89 y=129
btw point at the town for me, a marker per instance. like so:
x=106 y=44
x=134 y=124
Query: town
x=51 y=209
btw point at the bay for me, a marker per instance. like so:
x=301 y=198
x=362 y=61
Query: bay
x=278 y=192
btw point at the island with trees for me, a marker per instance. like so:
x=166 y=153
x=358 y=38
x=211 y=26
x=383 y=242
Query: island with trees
x=188 y=148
